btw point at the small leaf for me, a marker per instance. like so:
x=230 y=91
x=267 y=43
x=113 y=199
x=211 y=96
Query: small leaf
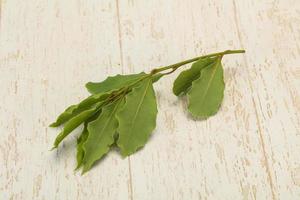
x=137 y=119
x=206 y=93
x=80 y=141
x=184 y=80
x=75 y=122
x=83 y=137
x=74 y=110
x=113 y=83
x=101 y=135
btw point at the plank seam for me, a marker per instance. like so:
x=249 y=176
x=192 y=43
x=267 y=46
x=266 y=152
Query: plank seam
x=119 y=35
x=255 y=107
x=122 y=66
x=130 y=179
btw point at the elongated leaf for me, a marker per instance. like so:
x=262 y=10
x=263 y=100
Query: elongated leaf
x=112 y=83
x=80 y=152
x=184 y=80
x=83 y=137
x=75 y=122
x=116 y=82
x=101 y=135
x=206 y=93
x=137 y=119
x=74 y=110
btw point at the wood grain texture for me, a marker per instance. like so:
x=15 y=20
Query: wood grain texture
x=249 y=150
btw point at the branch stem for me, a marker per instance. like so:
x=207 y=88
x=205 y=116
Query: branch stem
x=177 y=65
x=122 y=91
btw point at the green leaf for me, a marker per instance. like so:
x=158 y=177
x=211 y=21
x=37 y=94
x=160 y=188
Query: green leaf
x=116 y=82
x=113 y=83
x=184 y=80
x=80 y=141
x=83 y=137
x=75 y=122
x=74 y=110
x=206 y=93
x=101 y=135
x=137 y=119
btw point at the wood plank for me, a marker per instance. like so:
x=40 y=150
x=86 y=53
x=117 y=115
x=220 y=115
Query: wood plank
x=275 y=87
x=49 y=50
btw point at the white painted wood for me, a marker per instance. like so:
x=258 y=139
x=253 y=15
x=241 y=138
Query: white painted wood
x=249 y=150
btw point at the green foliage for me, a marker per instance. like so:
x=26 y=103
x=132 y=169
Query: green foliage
x=184 y=81
x=75 y=122
x=116 y=82
x=122 y=109
x=137 y=118
x=112 y=83
x=206 y=93
x=83 y=137
x=101 y=134
x=74 y=110
x=80 y=141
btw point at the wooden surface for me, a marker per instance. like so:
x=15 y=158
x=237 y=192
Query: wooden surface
x=249 y=150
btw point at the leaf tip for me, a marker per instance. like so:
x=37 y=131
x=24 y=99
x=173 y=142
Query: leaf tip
x=202 y=115
x=87 y=85
x=175 y=92
x=54 y=147
x=124 y=154
x=77 y=167
x=54 y=124
x=85 y=170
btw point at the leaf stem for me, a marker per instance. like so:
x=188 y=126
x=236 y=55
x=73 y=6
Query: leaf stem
x=177 y=65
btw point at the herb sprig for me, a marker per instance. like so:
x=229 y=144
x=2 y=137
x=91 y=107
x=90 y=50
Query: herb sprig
x=122 y=109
